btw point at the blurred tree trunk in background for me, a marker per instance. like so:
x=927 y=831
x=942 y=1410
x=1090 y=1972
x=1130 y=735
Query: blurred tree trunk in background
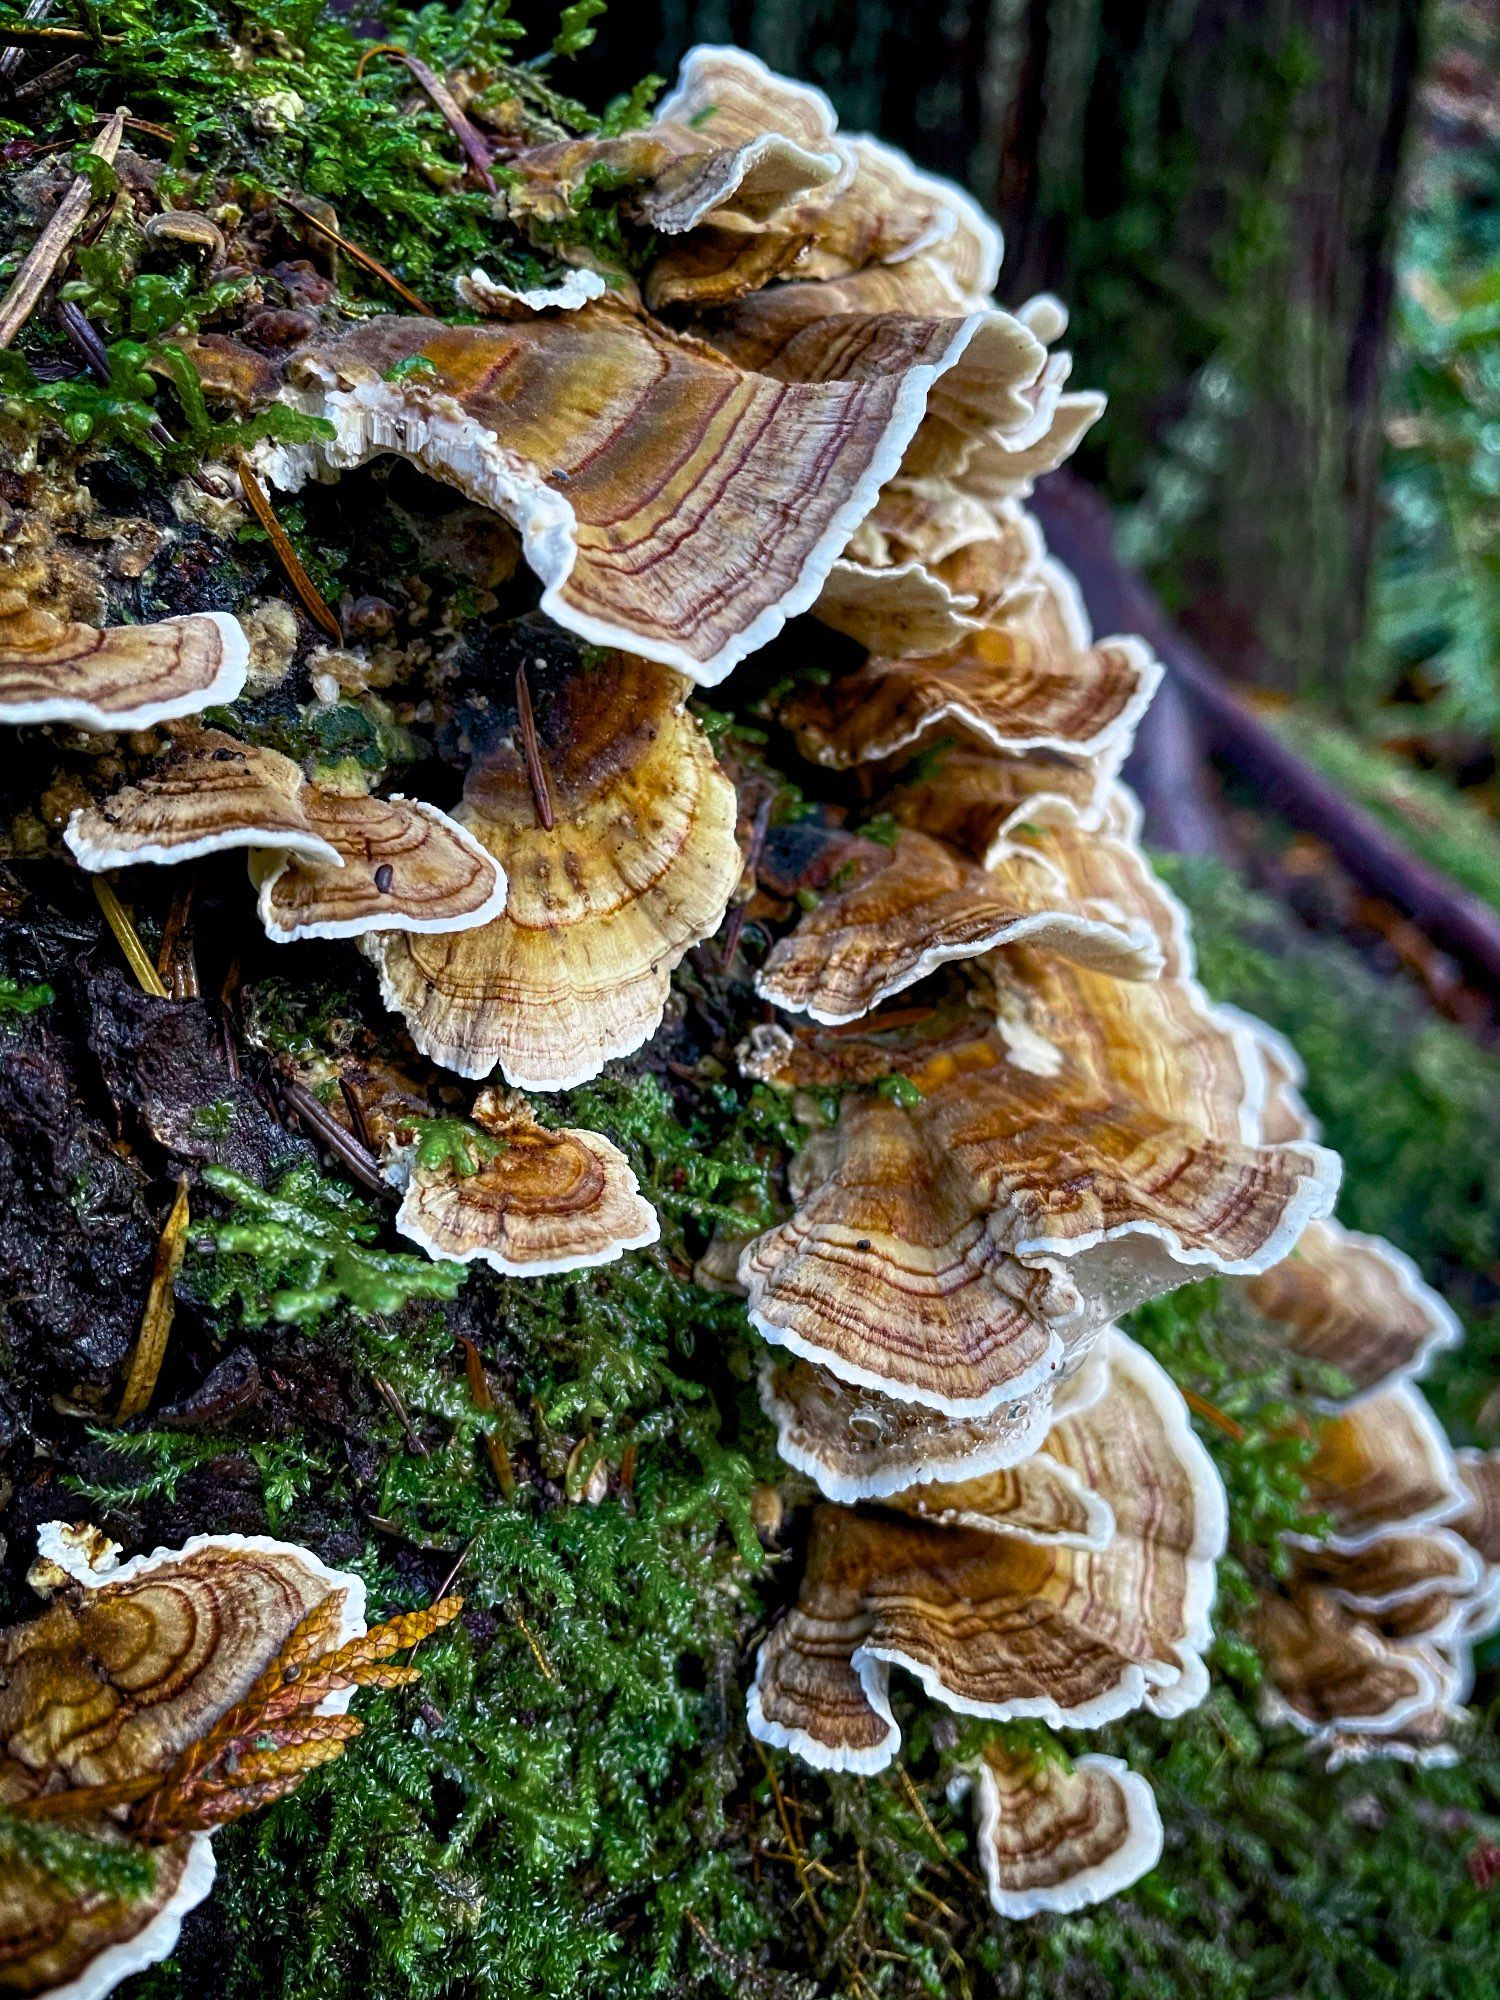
x=1211 y=185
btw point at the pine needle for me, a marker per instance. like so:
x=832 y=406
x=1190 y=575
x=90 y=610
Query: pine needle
x=287 y=556
x=128 y=938
x=156 y=1321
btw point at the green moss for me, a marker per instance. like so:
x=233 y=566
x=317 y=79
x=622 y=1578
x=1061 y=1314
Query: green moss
x=455 y=1145
x=18 y=999
x=75 y=1860
x=303 y=1249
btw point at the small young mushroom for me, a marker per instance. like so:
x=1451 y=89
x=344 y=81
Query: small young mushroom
x=1058 y=1834
x=538 y=1200
x=122 y=677
x=999 y=1624
x=639 y=864
x=403 y=866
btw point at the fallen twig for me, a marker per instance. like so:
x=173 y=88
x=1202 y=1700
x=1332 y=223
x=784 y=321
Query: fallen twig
x=37 y=267
x=156 y=1321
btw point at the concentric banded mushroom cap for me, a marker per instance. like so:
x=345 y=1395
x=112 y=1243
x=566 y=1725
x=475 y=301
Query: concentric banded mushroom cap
x=999 y=1625
x=859 y=1445
x=887 y=1275
x=129 y=1666
x=1028 y=679
x=1056 y=1835
x=405 y=866
x=212 y=792
x=1383 y=1465
x=921 y=904
x=640 y=864
x=1420 y=1582
x=671 y=502
x=559 y=1199
x=122 y=677
x=1333 y=1673
x=1357 y=1304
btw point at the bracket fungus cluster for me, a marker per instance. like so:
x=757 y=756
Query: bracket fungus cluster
x=150 y=1703
x=792 y=393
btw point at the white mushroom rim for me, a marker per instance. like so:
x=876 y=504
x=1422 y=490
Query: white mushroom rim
x=228 y=681
x=434 y=432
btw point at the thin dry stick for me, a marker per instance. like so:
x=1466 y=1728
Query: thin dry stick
x=536 y=770
x=544 y=1665
x=323 y=1125
x=10 y=58
x=933 y=1835
x=128 y=939
x=360 y=257
x=156 y=1321
x=457 y=119
x=287 y=556
x=483 y=1398
x=792 y=1844
x=44 y=80
x=27 y=286
x=175 y=964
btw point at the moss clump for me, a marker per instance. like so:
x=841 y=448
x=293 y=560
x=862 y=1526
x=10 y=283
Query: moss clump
x=304 y=1248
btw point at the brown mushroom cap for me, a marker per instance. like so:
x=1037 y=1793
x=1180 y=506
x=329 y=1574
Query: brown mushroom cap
x=119 y=678
x=1028 y=679
x=671 y=501
x=887 y=1275
x=921 y=904
x=981 y=801
x=130 y=1665
x=405 y=866
x=1332 y=1673
x=551 y=1200
x=639 y=865
x=80 y=1945
x=211 y=792
x=1355 y=1303
x=1385 y=1464
x=859 y=1445
x=996 y=1624
x=1058 y=1835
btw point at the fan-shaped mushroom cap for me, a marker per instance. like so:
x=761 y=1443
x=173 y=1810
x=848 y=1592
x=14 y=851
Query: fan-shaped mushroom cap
x=1382 y=1465
x=639 y=865
x=859 y=1445
x=919 y=905
x=1028 y=679
x=211 y=792
x=119 y=678
x=1332 y=1672
x=981 y=800
x=1002 y=384
x=1422 y=1582
x=927 y=567
x=1058 y=1836
x=887 y=1275
x=129 y=1666
x=559 y=1199
x=997 y=471
x=670 y=501
x=1478 y=1522
x=996 y=1624
x=405 y=866
x=1355 y=1303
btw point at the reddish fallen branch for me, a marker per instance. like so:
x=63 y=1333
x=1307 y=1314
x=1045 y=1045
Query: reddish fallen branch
x=1079 y=531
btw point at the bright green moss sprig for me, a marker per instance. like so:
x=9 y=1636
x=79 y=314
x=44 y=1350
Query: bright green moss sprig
x=18 y=999
x=77 y=1861
x=304 y=1248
